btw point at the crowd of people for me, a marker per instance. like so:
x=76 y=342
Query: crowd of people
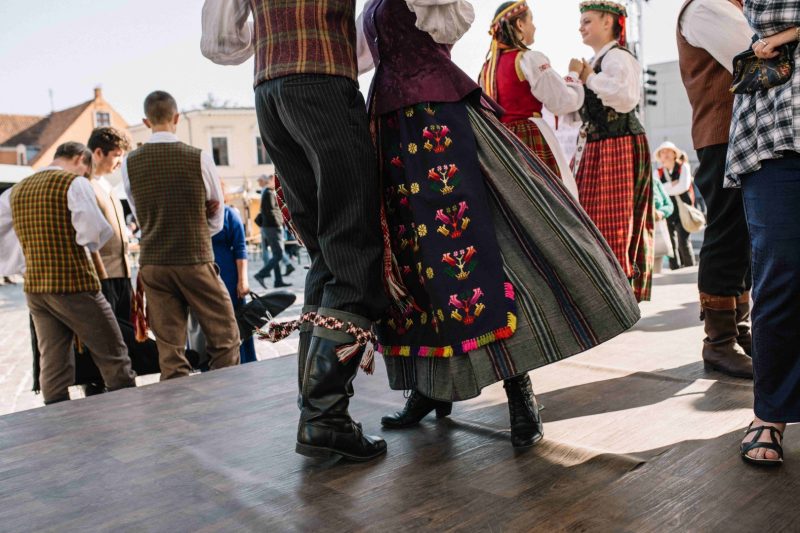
x=444 y=224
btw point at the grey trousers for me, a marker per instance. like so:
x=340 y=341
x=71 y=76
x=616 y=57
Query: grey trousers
x=58 y=318
x=315 y=128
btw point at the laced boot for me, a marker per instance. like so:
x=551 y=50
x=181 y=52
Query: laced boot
x=325 y=427
x=526 y=424
x=417 y=407
x=721 y=352
x=744 y=338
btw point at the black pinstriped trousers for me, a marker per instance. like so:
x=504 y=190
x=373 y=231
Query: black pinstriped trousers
x=316 y=130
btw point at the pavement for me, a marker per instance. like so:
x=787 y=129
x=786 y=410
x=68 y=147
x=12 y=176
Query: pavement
x=16 y=379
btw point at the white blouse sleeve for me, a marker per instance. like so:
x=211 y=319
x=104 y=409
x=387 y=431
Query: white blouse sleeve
x=444 y=20
x=682 y=185
x=363 y=53
x=559 y=95
x=227 y=34
x=619 y=84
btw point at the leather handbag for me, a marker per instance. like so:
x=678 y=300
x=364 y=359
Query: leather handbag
x=692 y=219
x=752 y=74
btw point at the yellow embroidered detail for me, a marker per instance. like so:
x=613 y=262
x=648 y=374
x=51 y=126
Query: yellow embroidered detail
x=414 y=188
x=423 y=318
x=409 y=112
x=412 y=148
x=428 y=146
x=429 y=273
x=422 y=230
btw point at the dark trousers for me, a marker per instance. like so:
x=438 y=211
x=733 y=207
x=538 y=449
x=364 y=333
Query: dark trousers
x=119 y=293
x=725 y=256
x=315 y=128
x=771 y=200
x=272 y=237
x=683 y=255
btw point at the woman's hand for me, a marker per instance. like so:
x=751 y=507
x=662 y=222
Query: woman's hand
x=587 y=71
x=766 y=47
x=242 y=288
x=575 y=65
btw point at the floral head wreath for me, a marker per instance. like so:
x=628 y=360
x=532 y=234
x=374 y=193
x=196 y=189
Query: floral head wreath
x=487 y=78
x=607 y=6
x=515 y=9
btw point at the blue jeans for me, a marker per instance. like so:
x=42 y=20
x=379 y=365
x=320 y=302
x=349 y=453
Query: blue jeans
x=273 y=237
x=772 y=205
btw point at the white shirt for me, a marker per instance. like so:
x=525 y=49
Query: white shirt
x=91 y=228
x=718 y=27
x=210 y=181
x=678 y=187
x=619 y=85
x=559 y=95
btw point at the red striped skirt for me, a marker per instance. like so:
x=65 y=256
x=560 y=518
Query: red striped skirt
x=529 y=133
x=615 y=181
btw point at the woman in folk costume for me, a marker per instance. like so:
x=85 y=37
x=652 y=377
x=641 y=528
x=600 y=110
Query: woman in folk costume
x=522 y=81
x=612 y=163
x=493 y=267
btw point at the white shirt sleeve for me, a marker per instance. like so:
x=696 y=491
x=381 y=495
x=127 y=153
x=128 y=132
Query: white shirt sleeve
x=682 y=185
x=444 y=20
x=619 y=85
x=731 y=34
x=126 y=184
x=363 y=53
x=92 y=230
x=213 y=191
x=557 y=94
x=12 y=260
x=227 y=37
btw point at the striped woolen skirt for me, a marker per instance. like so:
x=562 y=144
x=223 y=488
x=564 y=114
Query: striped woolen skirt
x=530 y=134
x=615 y=186
x=570 y=292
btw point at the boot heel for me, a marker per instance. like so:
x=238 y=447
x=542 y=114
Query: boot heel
x=444 y=410
x=312 y=451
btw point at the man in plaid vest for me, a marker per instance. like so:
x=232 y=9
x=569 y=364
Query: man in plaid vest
x=53 y=218
x=170 y=185
x=314 y=125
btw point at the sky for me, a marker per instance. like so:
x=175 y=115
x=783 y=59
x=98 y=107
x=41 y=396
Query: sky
x=131 y=47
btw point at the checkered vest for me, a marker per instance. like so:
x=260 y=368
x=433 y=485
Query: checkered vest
x=54 y=262
x=170 y=199
x=304 y=37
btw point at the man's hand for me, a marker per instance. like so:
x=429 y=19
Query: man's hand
x=212 y=206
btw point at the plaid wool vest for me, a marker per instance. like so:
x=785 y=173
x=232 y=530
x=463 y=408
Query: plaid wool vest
x=167 y=188
x=304 y=37
x=54 y=262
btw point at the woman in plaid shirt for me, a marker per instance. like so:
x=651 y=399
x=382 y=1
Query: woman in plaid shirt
x=764 y=160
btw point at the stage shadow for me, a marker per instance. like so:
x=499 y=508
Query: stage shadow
x=685 y=316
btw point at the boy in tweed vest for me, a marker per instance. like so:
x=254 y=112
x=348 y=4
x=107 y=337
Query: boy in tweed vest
x=314 y=125
x=54 y=216
x=175 y=194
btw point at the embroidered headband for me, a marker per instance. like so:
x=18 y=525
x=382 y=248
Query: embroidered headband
x=515 y=9
x=607 y=6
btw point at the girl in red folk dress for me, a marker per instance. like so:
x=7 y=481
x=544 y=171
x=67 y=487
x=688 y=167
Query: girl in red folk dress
x=522 y=81
x=612 y=163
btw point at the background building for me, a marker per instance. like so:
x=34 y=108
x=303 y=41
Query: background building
x=670 y=119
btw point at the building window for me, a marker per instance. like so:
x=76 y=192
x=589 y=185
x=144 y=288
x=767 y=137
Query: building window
x=219 y=149
x=263 y=156
x=102 y=119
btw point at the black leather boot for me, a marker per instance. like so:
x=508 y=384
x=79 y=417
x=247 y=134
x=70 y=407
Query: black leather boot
x=526 y=425
x=326 y=428
x=417 y=407
x=744 y=337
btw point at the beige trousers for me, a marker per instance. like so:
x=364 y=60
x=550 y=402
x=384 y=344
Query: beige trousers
x=171 y=291
x=58 y=318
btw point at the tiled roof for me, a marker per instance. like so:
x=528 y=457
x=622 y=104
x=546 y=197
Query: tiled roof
x=47 y=130
x=11 y=125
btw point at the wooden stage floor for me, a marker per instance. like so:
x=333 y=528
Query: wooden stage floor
x=637 y=438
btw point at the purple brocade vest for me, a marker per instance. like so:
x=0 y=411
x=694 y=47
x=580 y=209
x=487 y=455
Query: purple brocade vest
x=410 y=67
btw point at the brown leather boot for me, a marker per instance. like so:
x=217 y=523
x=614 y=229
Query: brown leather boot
x=721 y=352
x=744 y=338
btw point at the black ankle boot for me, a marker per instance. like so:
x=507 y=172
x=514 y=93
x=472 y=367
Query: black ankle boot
x=526 y=425
x=326 y=428
x=417 y=407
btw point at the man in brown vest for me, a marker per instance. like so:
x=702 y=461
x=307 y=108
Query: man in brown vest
x=55 y=216
x=169 y=186
x=314 y=125
x=710 y=34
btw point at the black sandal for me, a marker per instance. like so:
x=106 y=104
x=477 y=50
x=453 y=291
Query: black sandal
x=775 y=445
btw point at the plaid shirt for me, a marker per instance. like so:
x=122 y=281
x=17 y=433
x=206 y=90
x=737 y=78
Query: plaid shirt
x=765 y=123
